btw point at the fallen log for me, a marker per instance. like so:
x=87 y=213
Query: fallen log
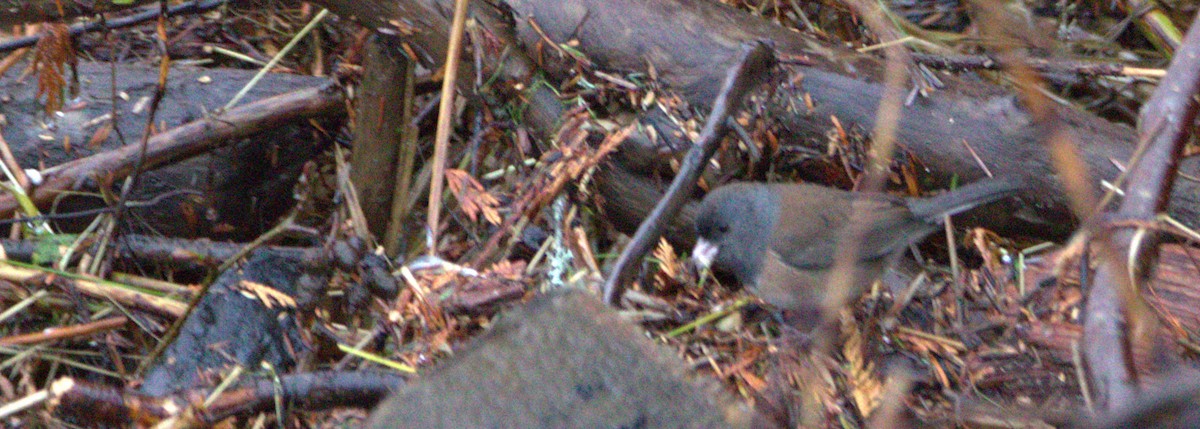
x=691 y=40
x=235 y=191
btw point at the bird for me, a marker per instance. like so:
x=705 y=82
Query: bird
x=779 y=240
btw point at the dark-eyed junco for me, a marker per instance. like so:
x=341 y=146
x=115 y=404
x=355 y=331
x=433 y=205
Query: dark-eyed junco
x=780 y=240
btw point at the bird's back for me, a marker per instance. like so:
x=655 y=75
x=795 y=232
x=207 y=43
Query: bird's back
x=814 y=219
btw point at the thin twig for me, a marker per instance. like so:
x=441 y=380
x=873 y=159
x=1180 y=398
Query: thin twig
x=160 y=90
x=883 y=144
x=277 y=58
x=404 y=171
x=151 y=12
x=1042 y=65
x=755 y=63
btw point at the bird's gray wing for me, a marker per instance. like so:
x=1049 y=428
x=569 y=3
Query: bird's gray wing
x=811 y=243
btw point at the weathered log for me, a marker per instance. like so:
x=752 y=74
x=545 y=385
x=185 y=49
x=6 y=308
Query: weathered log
x=691 y=40
x=233 y=192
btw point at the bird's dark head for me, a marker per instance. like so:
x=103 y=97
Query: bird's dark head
x=733 y=229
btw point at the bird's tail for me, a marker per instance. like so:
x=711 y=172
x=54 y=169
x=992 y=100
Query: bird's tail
x=964 y=198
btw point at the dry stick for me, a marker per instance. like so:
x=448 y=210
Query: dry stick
x=73 y=331
x=160 y=89
x=312 y=391
x=106 y=221
x=98 y=288
x=13 y=169
x=756 y=62
x=1043 y=65
x=442 y=137
x=152 y=12
x=12 y=60
x=318 y=390
x=7 y=157
x=853 y=237
x=1115 y=372
x=1107 y=361
x=1166 y=123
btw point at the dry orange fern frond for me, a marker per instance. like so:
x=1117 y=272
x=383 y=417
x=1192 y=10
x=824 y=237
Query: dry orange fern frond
x=53 y=50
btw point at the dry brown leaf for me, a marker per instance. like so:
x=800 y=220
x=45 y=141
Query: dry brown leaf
x=438 y=281
x=439 y=341
x=100 y=136
x=473 y=199
x=190 y=218
x=756 y=383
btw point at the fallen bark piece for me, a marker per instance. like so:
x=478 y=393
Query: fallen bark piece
x=241 y=321
x=248 y=315
x=564 y=361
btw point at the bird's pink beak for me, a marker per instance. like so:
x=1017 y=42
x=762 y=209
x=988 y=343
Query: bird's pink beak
x=703 y=253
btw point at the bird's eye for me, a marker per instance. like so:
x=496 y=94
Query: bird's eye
x=722 y=228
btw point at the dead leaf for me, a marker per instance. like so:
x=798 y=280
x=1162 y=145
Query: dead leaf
x=100 y=136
